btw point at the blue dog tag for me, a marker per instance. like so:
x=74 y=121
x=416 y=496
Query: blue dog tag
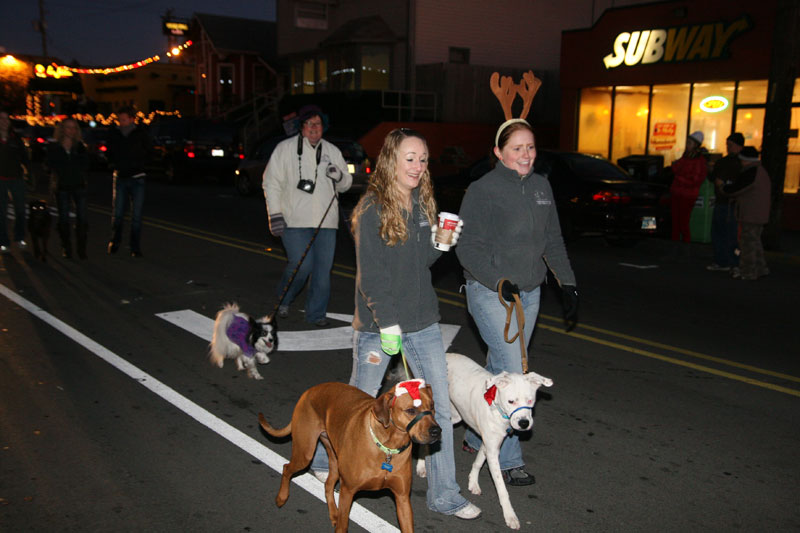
x=386 y=466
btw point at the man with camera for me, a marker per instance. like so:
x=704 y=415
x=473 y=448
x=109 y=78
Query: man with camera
x=301 y=182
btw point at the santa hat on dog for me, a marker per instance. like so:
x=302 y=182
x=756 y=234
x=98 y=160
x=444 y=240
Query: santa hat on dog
x=410 y=387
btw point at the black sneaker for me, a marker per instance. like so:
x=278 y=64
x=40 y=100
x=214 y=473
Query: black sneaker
x=518 y=477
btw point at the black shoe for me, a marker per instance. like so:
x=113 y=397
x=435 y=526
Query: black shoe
x=321 y=323
x=112 y=248
x=137 y=253
x=518 y=477
x=283 y=311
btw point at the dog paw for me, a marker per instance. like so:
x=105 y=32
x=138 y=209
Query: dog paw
x=512 y=521
x=254 y=374
x=421 y=470
x=474 y=488
x=262 y=358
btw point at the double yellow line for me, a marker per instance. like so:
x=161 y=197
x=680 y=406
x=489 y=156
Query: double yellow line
x=595 y=336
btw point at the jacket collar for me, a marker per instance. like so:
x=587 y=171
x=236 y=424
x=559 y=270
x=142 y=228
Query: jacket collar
x=509 y=174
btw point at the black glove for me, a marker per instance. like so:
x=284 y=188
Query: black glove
x=508 y=290
x=569 y=293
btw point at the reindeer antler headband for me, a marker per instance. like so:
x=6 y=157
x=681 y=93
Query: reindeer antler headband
x=506 y=90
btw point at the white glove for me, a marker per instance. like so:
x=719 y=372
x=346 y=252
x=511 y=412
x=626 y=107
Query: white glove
x=454 y=238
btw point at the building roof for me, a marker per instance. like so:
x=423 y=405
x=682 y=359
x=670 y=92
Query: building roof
x=363 y=30
x=234 y=34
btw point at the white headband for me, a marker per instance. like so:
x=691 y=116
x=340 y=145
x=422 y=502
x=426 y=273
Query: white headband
x=505 y=124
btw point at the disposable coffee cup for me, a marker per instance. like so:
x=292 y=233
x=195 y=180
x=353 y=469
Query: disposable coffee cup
x=445 y=228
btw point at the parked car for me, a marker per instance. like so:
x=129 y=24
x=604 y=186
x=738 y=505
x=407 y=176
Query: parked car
x=593 y=196
x=36 y=139
x=250 y=172
x=191 y=149
x=96 y=140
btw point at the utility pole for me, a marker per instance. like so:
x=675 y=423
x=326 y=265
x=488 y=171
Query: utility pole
x=778 y=113
x=42 y=26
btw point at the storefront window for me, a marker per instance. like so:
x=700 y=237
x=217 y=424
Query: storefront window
x=752 y=92
x=308 y=76
x=594 y=125
x=712 y=113
x=791 y=182
x=796 y=95
x=668 y=121
x=322 y=75
x=750 y=123
x=630 y=121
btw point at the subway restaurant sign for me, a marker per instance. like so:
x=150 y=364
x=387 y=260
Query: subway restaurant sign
x=683 y=43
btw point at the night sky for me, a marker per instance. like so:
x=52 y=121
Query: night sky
x=107 y=32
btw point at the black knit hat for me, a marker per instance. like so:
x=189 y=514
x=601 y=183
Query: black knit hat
x=736 y=138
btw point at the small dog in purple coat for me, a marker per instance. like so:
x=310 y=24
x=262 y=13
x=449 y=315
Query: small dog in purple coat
x=243 y=338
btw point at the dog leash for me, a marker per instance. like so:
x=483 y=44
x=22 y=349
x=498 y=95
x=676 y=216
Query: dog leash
x=302 y=257
x=510 y=308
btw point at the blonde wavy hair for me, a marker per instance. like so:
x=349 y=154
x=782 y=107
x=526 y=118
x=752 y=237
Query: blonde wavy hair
x=59 y=132
x=382 y=190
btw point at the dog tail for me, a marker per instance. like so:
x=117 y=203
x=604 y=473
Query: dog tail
x=217 y=348
x=271 y=430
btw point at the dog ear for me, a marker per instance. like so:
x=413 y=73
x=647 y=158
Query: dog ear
x=536 y=380
x=501 y=380
x=380 y=408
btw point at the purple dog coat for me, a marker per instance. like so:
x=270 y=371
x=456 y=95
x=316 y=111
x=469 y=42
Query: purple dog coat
x=238 y=332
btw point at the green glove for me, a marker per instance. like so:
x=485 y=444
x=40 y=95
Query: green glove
x=391 y=340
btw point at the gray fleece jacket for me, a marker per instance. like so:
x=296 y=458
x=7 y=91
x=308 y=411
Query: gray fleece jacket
x=393 y=283
x=511 y=231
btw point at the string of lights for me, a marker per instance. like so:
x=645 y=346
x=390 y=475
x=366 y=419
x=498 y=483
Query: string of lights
x=130 y=66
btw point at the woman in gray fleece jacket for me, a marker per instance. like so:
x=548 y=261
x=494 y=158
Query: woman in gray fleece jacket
x=512 y=233
x=396 y=306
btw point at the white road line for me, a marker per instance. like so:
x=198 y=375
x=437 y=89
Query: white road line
x=358 y=514
x=291 y=341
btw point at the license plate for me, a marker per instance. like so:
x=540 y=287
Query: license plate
x=217 y=152
x=351 y=168
x=649 y=223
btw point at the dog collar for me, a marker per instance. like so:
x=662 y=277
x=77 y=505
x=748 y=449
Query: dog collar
x=388 y=451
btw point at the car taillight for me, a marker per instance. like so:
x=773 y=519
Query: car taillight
x=40 y=140
x=189 y=151
x=611 y=197
x=368 y=170
x=102 y=148
x=241 y=156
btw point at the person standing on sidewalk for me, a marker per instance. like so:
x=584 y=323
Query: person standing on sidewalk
x=68 y=160
x=690 y=171
x=751 y=190
x=724 y=227
x=302 y=178
x=128 y=149
x=14 y=164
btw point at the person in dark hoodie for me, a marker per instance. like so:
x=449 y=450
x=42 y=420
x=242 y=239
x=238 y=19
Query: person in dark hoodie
x=751 y=191
x=511 y=238
x=68 y=160
x=13 y=165
x=396 y=306
x=724 y=239
x=128 y=148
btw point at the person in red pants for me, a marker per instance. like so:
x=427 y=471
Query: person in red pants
x=690 y=172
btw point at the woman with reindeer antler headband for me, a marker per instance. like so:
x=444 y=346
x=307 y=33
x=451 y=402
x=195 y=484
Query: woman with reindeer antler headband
x=511 y=238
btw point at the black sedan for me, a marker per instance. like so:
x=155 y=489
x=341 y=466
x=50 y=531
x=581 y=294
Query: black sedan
x=593 y=196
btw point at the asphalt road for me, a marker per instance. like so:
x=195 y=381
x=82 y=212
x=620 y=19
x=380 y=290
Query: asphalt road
x=675 y=404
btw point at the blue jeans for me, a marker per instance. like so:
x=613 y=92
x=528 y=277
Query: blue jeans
x=424 y=352
x=17 y=189
x=724 y=229
x=317 y=264
x=490 y=315
x=128 y=190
